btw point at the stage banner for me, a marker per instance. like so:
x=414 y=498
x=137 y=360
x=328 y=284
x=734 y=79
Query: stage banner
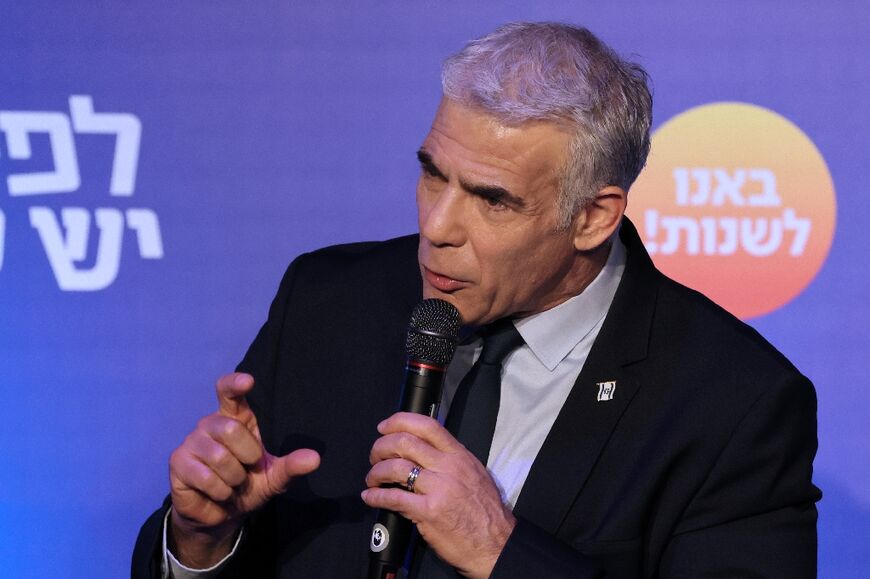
x=162 y=163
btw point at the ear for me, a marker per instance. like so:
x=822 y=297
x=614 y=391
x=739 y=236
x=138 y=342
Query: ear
x=596 y=222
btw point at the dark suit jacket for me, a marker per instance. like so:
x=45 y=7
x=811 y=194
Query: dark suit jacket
x=699 y=466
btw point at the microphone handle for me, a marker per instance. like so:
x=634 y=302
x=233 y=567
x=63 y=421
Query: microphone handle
x=391 y=534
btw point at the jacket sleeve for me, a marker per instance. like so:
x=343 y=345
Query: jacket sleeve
x=147 y=554
x=531 y=552
x=755 y=515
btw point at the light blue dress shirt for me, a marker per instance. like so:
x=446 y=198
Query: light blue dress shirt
x=538 y=376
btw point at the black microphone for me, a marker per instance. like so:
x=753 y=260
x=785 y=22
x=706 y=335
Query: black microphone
x=431 y=341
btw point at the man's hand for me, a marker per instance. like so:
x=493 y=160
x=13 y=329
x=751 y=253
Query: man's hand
x=221 y=472
x=455 y=504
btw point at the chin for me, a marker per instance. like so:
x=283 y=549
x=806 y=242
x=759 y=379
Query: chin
x=469 y=316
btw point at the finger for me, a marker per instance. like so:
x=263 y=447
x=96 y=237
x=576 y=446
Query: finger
x=395 y=471
x=231 y=391
x=235 y=436
x=422 y=427
x=404 y=445
x=282 y=469
x=409 y=505
x=194 y=474
x=217 y=457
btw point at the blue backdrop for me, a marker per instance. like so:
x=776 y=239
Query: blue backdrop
x=161 y=163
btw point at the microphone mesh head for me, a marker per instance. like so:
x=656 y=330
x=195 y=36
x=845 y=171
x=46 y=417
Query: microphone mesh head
x=433 y=332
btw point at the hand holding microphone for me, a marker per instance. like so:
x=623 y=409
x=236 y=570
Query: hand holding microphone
x=431 y=342
x=453 y=500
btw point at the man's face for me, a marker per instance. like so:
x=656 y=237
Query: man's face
x=487 y=208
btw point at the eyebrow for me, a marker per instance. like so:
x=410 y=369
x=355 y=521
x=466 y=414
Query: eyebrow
x=494 y=192
x=429 y=165
x=486 y=191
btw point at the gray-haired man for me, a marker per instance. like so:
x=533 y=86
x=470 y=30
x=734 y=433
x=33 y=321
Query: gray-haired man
x=641 y=430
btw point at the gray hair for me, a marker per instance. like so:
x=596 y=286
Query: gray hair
x=547 y=71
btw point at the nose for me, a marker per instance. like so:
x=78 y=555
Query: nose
x=441 y=217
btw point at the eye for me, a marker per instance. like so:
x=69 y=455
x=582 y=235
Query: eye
x=494 y=203
x=429 y=170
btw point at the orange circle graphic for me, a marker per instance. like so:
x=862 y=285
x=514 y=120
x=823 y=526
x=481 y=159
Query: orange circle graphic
x=738 y=203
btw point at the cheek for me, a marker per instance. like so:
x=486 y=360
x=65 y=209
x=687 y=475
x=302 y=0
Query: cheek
x=421 y=201
x=502 y=268
x=518 y=268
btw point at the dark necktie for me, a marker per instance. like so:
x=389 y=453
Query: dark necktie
x=472 y=417
x=474 y=409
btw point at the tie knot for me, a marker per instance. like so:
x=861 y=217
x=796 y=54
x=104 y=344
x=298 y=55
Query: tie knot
x=499 y=339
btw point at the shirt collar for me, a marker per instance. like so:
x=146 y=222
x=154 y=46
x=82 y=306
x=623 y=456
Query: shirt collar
x=552 y=334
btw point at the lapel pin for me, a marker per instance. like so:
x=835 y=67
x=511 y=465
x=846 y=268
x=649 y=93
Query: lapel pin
x=606 y=390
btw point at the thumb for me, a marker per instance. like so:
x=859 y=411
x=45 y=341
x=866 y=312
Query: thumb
x=283 y=469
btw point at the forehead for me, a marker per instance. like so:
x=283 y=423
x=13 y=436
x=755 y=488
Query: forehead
x=482 y=148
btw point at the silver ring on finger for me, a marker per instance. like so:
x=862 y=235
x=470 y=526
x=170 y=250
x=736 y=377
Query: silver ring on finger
x=412 y=477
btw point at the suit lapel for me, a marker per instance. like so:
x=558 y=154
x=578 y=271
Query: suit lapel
x=585 y=423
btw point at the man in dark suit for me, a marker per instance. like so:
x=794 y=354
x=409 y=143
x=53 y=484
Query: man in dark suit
x=665 y=438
